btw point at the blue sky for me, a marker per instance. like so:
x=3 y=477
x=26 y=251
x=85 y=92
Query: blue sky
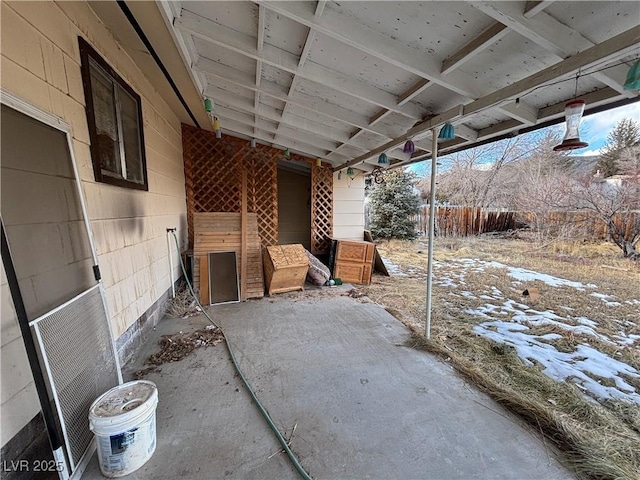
x=595 y=128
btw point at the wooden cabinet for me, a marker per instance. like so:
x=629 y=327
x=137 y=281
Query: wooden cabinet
x=354 y=261
x=285 y=268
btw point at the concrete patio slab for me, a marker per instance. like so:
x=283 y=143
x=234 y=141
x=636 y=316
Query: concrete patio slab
x=364 y=405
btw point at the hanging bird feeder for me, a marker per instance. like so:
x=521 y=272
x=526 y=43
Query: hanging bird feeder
x=319 y=162
x=446 y=132
x=340 y=175
x=287 y=153
x=409 y=147
x=383 y=159
x=573 y=111
x=253 y=143
x=633 y=77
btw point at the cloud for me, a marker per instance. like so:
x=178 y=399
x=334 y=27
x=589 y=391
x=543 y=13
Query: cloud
x=586 y=153
x=600 y=124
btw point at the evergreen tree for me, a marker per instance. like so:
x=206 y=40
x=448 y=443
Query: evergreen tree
x=623 y=138
x=392 y=205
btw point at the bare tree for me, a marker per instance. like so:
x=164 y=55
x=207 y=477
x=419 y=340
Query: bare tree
x=541 y=195
x=616 y=203
x=487 y=176
x=543 y=185
x=473 y=177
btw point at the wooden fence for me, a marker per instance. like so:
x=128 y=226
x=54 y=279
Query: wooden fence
x=584 y=223
x=467 y=221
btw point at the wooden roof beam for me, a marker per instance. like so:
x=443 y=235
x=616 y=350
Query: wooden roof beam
x=406 y=96
x=378 y=45
x=274 y=90
x=259 y=46
x=288 y=132
x=449 y=115
x=594 y=99
x=227 y=100
x=486 y=38
x=611 y=49
x=237 y=42
x=547 y=32
x=614 y=48
x=262 y=134
x=415 y=90
x=311 y=35
x=521 y=111
x=319 y=8
x=534 y=7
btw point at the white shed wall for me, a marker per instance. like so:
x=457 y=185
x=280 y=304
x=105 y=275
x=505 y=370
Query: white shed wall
x=348 y=207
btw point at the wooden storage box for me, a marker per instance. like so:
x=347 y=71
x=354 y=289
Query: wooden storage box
x=285 y=268
x=354 y=261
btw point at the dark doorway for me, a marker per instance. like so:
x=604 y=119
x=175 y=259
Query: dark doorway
x=294 y=204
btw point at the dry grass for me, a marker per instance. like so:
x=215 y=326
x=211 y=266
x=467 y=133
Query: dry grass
x=183 y=305
x=602 y=441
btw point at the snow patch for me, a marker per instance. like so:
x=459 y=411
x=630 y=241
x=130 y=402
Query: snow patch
x=393 y=269
x=606 y=299
x=523 y=275
x=586 y=321
x=580 y=366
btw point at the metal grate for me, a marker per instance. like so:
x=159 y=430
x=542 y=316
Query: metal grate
x=76 y=346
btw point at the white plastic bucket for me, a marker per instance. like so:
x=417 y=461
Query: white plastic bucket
x=124 y=423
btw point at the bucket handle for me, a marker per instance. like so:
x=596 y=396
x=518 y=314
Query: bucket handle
x=131 y=404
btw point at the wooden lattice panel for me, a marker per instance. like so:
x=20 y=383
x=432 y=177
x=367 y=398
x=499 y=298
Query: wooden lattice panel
x=212 y=173
x=321 y=208
x=262 y=192
x=213 y=177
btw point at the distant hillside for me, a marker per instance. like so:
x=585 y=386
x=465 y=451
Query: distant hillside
x=581 y=166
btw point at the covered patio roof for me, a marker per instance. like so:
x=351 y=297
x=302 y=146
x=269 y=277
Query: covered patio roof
x=346 y=81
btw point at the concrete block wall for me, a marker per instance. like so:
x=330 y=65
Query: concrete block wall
x=40 y=62
x=348 y=206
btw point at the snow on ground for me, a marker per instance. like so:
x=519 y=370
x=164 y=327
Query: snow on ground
x=510 y=322
x=520 y=274
x=393 y=269
x=605 y=298
x=581 y=366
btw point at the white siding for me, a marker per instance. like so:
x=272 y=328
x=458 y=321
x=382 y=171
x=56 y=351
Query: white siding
x=41 y=64
x=348 y=207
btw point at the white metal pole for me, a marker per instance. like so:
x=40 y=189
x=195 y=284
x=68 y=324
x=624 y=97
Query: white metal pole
x=173 y=287
x=432 y=214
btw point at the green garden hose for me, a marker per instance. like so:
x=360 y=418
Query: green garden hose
x=294 y=460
